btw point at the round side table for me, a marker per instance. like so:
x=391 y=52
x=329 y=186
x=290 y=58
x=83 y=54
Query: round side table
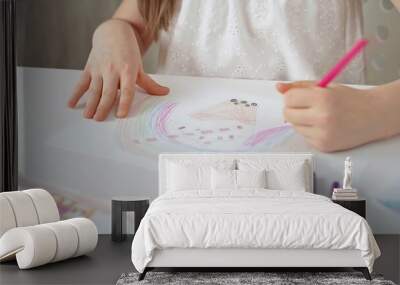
x=138 y=205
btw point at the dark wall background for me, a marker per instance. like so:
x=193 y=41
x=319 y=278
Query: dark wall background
x=57 y=33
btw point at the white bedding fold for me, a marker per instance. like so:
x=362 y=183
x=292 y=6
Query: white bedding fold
x=250 y=219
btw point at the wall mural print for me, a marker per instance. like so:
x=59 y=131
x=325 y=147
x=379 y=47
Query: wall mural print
x=85 y=163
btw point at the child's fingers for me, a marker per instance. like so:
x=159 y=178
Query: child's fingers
x=303 y=117
x=150 y=86
x=94 y=94
x=306 y=131
x=80 y=89
x=283 y=87
x=127 y=86
x=109 y=93
x=299 y=98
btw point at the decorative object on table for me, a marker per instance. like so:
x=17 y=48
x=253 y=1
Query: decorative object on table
x=347 y=179
x=120 y=205
x=347 y=192
x=32 y=233
x=8 y=98
x=357 y=206
x=248 y=278
x=334 y=185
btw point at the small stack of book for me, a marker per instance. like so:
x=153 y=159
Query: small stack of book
x=344 y=194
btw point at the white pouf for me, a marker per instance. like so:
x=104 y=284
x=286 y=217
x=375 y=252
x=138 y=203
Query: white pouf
x=7 y=220
x=37 y=245
x=23 y=208
x=45 y=205
x=67 y=239
x=31 y=232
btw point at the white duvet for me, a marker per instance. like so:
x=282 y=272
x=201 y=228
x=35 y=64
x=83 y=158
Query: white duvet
x=250 y=219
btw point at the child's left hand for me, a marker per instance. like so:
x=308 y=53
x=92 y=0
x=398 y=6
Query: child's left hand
x=334 y=118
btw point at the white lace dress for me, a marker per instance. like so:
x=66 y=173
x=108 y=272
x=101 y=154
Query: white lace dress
x=262 y=39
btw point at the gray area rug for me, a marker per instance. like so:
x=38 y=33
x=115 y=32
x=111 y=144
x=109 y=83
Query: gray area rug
x=269 y=278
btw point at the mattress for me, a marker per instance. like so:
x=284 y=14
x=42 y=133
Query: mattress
x=251 y=219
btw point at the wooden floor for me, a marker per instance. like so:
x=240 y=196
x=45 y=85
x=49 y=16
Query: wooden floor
x=110 y=260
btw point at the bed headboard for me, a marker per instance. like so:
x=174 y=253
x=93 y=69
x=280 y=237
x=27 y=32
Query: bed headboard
x=164 y=158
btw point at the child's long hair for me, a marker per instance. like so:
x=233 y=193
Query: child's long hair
x=157 y=14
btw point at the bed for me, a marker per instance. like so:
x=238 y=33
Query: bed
x=247 y=210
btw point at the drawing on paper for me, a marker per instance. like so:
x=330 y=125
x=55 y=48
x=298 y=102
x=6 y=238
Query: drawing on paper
x=235 y=110
x=217 y=124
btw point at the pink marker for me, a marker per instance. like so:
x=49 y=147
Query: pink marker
x=343 y=62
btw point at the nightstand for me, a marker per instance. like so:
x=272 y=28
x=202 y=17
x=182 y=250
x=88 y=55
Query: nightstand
x=138 y=205
x=357 y=206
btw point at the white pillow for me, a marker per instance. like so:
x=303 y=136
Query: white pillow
x=188 y=177
x=282 y=174
x=251 y=178
x=223 y=179
x=193 y=173
x=292 y=179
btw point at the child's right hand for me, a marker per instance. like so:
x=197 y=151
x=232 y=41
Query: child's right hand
x=114 y=63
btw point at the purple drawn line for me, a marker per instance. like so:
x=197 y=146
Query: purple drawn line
x=162 y=117
x=207 y=132
x=264 y=135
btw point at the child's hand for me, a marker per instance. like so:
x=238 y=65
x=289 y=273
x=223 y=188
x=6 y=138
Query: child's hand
x=114 y=63
x=335 y=118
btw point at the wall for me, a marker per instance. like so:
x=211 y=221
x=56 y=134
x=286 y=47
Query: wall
x=57 y=34
x=382 y=22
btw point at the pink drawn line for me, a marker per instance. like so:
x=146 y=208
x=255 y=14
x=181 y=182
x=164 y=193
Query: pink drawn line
x=264 y=135
x=162 y=119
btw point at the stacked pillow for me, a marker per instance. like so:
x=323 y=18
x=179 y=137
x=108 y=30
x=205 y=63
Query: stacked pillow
x=282 y=174
x=227 y=179
x=271 y=174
